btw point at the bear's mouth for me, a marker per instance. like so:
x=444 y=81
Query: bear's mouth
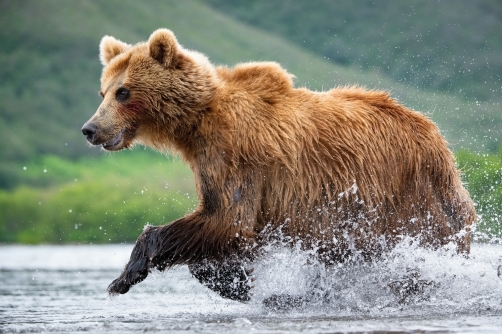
x=114 y=142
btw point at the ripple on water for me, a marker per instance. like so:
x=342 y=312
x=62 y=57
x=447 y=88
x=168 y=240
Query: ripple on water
x=63 y=289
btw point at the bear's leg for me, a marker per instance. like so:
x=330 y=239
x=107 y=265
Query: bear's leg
x=138 y=267
x=229 y=278
x=154 y=250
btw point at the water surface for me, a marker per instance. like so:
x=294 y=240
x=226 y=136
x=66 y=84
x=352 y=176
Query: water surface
x=63 y=289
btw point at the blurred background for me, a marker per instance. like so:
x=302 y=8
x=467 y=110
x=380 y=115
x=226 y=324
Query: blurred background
x=443 y=58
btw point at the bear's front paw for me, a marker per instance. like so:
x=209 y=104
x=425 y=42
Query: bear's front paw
x=229 y=279
x=127 y=279
x=134 y=272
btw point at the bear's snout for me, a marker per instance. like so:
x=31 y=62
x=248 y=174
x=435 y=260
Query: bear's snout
x=89 y=130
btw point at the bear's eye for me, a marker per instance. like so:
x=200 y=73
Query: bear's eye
x=122 y=94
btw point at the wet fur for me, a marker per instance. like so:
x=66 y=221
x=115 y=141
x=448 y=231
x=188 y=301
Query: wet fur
x=342 y=171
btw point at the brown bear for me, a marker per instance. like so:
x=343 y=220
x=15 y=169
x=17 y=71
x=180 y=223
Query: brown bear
x=345 y=173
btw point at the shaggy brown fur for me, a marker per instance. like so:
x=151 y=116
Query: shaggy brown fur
x=347 y=171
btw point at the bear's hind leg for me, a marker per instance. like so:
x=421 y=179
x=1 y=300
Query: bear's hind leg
x=229 y=279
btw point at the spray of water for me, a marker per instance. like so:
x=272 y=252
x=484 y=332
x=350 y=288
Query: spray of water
x=409 y=280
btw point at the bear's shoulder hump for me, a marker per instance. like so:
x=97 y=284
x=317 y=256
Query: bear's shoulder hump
x=259 y=77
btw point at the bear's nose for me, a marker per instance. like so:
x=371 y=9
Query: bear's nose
x=89 y=130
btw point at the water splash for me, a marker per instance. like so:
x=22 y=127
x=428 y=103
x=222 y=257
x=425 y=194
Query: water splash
x=409 y=281
x=354 y=297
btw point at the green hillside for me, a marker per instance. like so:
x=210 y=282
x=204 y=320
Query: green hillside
x=449 y=46
x=50 y=71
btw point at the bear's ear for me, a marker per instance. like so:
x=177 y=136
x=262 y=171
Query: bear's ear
x=109 y=48
x=163 y=46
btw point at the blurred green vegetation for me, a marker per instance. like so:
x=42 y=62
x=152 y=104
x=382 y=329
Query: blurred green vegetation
x=49 y=71
x=101 y=199
x=448 y=46
x=482 y=174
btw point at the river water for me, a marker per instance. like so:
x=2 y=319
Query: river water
x=60 y=289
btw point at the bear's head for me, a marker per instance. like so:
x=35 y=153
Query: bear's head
x=154 y=93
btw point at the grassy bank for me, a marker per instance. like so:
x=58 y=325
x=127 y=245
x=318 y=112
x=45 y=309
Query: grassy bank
x=482 y=174
x=101 y=199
